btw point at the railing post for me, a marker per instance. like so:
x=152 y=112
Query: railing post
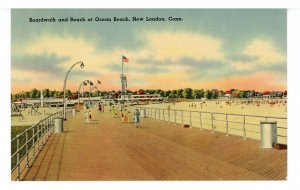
x=175 y=116
x=152 y=115
x=33 y=143
x=18 y=158
x=48 y=127
x=43 y=132
x=226 y=124
x=159 y=114
x=169 y=115
x=38 y=136
x=200 y=120
x=182 y=117
x=212 y=123
x=244 y=128
x=191 y=119
x=26 y=141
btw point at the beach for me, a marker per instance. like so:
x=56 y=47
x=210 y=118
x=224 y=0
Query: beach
x=30 y=117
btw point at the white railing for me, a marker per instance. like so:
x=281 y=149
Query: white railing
x=246 y=126
x=27 y=145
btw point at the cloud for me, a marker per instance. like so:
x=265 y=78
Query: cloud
x=167 y=60
x=48 y=63
x=152 y=70
x=265 y=52
x=242 y=58
x=175 y=45
x=16 y=79
x=256 y=56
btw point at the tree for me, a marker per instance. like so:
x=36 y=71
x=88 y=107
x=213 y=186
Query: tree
x=103 y=93
x=198 y=94
x=162 y=93
x=172 y=95
x=167 y=93
x=52 y=93
x=151 y=91
x=221 y=93
x=215 y=94
x=242 y=94
x=95 y=93
x=68 y=93
x=179 y=93
x=46 y=93
x=33 y=93
x=208 y=94
x=157 y=91
x=38 y=94
x=187 y=93
x=27 y=94
x=58 y=93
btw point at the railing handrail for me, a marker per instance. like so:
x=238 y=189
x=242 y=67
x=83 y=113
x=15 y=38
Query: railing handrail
x=248 y=115
x=44 y=126
x=183 y=119
x=34 y=125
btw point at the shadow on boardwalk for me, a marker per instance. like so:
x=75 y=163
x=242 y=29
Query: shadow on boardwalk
x=105 y=149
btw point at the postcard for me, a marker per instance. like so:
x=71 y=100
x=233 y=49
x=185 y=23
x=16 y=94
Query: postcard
x=148 y=94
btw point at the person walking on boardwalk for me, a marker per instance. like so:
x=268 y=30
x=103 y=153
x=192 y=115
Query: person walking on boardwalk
x=113 y=111
x=137 y=118
x=126 y=114
x=100 y=107
x=122 y=116
x=86 y=117
x=90 y=114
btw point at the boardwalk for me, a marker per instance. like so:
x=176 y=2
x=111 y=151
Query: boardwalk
x=107 y=150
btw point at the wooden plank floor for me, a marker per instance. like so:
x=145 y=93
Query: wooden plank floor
x=105 y=149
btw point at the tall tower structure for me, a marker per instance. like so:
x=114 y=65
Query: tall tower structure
x=123 y=77
x=123 y=83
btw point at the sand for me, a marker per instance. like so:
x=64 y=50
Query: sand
x=29 y=118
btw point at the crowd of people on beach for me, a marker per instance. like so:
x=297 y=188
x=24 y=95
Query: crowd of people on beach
x=272 y=103
x=117 y=111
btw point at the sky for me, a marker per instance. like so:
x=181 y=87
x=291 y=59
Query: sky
x=207 y=49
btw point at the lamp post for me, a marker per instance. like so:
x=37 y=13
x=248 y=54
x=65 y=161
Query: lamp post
x=64 y=89
x=91 y=84
x=82 y=83
x=98 y=82
x=94 y=87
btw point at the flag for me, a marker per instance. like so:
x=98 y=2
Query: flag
x=125 y=59
x=98 y=81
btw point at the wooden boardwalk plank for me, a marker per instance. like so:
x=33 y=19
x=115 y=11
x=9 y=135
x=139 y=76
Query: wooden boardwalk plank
x=105 y=149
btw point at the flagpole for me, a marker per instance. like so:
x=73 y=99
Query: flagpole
x=122 y=65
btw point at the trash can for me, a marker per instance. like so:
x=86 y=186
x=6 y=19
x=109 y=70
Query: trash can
x=58 y=125
x=268 y=134
x=143 y=113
